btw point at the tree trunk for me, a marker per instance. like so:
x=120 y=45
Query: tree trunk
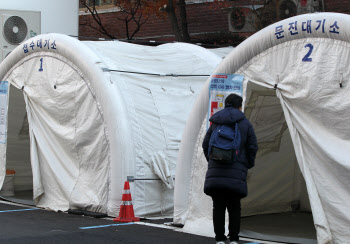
x=173 y=19
x=278 y=4
x=184 y=29
x=127 y=28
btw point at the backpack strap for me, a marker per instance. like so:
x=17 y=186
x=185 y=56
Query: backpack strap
x=213 y=137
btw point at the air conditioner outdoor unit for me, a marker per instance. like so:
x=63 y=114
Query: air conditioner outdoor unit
x=16 y=27
x=289 y=8
x=242 y=19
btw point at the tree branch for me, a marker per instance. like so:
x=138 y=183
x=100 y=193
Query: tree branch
x=96 y=17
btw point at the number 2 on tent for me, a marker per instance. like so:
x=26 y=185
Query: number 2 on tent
x=307 y=58
x=41 y=65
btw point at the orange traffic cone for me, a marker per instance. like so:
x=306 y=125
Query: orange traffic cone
x=126 y=213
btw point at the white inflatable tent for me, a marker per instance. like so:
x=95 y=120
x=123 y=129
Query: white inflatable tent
x=99 y=112
x=302 y=126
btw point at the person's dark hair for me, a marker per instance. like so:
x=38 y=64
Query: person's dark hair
x=233 y=100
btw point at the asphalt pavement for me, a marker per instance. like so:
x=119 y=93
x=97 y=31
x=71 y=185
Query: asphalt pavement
x=26 y=224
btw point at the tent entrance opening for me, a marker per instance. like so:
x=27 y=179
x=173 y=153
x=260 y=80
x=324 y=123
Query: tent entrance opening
x=19 y=177
x=277 y=204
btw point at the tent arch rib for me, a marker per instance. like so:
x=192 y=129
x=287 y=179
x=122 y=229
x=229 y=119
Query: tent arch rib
x=266 y=38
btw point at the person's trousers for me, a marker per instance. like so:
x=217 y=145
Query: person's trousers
x=233 y=205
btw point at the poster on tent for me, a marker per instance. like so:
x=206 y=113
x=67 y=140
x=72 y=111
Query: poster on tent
x=3 y=110
x=222 y=85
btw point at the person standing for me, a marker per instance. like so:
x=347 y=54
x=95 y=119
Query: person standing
x=226 y=181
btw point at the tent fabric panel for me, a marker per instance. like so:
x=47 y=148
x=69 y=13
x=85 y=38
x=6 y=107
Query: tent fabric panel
x=171 y=103
x=154 y=106
x=326 y=171
x=175 y=58
x=91 y=188
x=156 y=117
x=320 y=220
x=156 y=199
x=152 y=141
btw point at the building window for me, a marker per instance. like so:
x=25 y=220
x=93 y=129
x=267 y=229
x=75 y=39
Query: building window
x=96 y=2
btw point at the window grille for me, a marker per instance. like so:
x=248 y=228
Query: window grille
x=96 y=2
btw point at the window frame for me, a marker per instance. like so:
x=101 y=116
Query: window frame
x=98 y=7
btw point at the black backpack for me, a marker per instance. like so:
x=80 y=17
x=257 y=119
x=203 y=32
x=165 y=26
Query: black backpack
x=224 y=143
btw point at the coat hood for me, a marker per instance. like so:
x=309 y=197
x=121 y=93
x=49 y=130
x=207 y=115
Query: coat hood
x=227 y=116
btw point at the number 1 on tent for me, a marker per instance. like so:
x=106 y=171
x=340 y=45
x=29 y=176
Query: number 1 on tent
x=41 y=65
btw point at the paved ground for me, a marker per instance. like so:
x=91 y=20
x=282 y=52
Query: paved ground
x=22 y=224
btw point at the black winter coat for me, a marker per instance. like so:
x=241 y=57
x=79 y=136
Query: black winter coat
x=230 y=178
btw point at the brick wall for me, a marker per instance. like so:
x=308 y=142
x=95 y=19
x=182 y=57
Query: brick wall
x=201 y=19
x=157 y=28
x=338 y=6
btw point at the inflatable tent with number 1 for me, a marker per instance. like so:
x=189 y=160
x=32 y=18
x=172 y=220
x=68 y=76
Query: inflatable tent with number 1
x=97 y=113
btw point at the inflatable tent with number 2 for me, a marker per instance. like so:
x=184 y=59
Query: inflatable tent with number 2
x=296 y=93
